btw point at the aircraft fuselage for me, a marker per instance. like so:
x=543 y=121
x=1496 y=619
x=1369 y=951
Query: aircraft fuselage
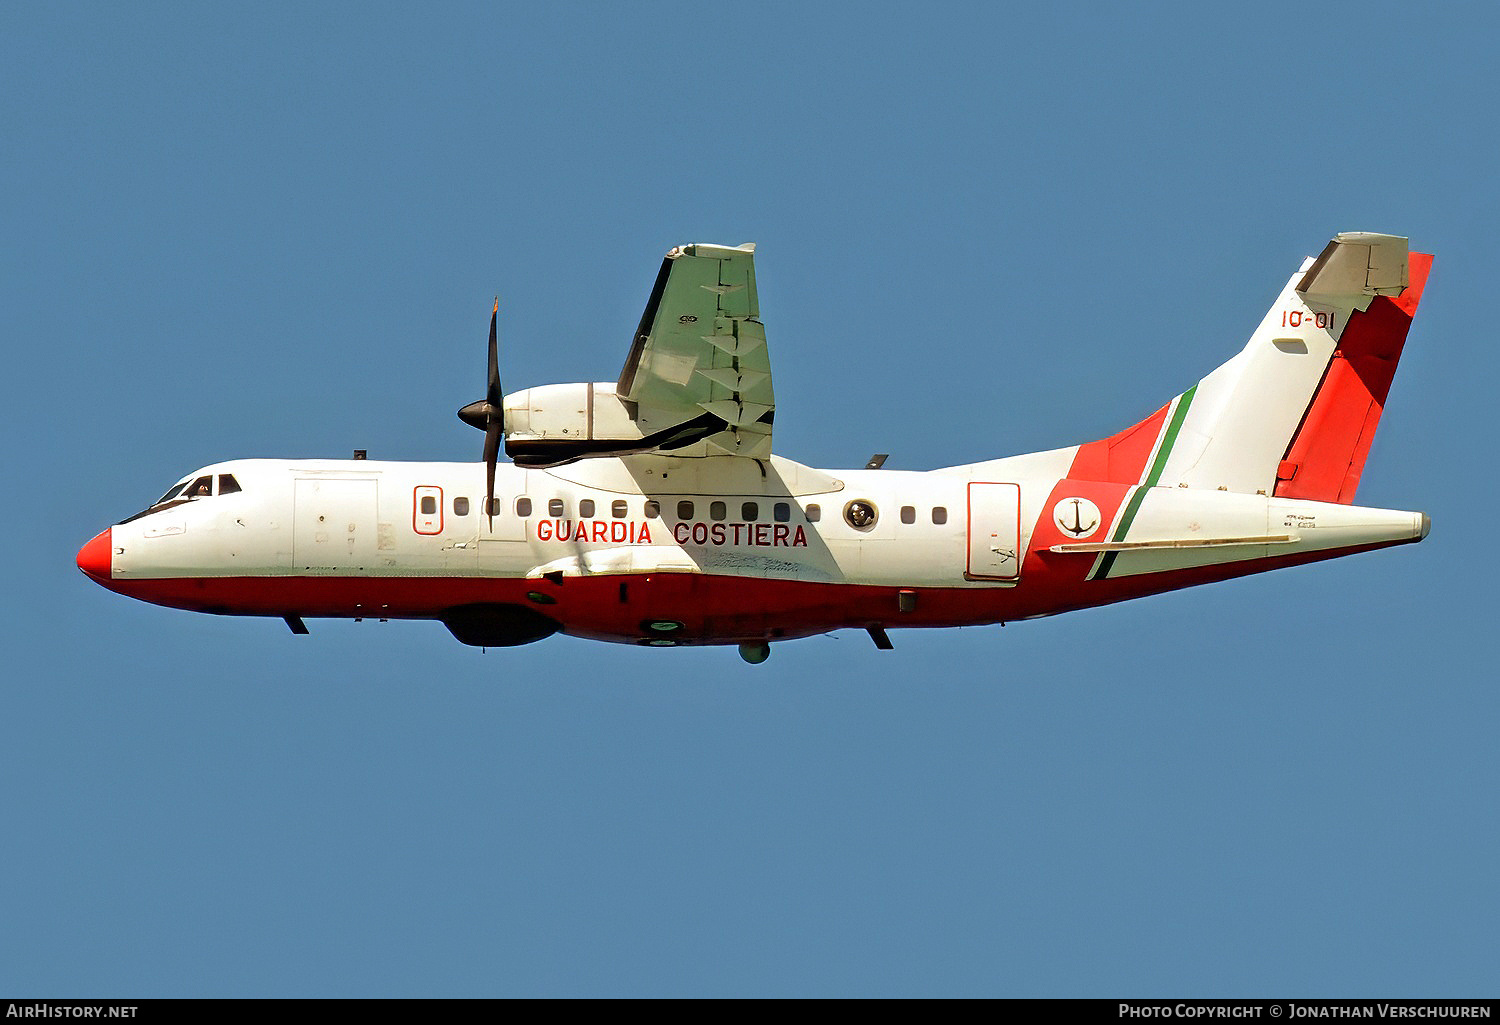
x=657 y=550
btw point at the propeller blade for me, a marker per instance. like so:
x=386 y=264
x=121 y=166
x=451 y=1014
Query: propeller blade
x=491 y=452
x=488 y=414
x=493 y=395
x=494 y=429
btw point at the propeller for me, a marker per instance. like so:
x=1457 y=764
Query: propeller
x=488 y=414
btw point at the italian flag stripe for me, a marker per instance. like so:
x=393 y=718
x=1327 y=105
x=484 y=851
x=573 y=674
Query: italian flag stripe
x=1169 y=437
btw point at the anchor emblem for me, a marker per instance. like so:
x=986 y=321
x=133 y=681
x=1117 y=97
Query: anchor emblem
x=1077 y=517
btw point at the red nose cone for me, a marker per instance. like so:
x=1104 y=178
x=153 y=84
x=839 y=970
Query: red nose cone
x=95 y=557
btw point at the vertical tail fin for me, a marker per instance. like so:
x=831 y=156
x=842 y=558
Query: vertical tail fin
x=1294 y=412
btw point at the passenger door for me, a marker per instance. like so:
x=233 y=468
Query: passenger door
x=994 y=531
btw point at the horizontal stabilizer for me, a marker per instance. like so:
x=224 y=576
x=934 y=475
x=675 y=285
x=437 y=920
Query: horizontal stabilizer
x=1357 y=264
x=1141 y=546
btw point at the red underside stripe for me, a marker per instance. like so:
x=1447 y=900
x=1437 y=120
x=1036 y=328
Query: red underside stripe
x=713 y=609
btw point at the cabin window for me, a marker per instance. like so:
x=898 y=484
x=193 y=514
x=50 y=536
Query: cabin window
x=814 y=513
x=586 y=509
x=782 y=513
x=908 y=514
x=429 y=505
x=653 y=509
x=555 y=508
x=749 y=511
x=684 y=510
x=460 y=507
x=227 y=484
x=523 y=507
x=619 y=510
x=717 y=511
x=495 y=506
x=939 y=515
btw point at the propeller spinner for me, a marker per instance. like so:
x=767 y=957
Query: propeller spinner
x=488 y=414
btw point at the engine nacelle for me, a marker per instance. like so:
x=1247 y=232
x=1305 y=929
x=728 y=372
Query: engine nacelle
x=558 y=423
x=569 y=413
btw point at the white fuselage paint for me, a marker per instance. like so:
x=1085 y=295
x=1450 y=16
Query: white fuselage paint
x=300 y=518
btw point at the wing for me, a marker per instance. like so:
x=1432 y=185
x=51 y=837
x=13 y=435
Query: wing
x=698 y=366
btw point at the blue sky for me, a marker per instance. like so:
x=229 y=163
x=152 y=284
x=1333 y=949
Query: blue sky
x=982 y=231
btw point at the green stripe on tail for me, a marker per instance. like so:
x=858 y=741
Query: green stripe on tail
x=1157 y=466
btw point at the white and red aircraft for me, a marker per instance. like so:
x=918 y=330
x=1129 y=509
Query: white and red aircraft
x=652 y=511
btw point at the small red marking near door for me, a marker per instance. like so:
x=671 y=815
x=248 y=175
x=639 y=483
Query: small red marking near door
x=427 y=523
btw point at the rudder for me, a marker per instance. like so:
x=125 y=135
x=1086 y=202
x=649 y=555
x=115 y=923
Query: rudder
x=1327 y=455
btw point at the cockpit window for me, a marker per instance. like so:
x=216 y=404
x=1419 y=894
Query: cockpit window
x=190 y=490
x=175 y=490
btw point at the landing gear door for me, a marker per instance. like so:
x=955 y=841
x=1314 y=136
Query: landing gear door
x=994 y=532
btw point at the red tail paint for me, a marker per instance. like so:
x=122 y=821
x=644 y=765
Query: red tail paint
x=1327 y=454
